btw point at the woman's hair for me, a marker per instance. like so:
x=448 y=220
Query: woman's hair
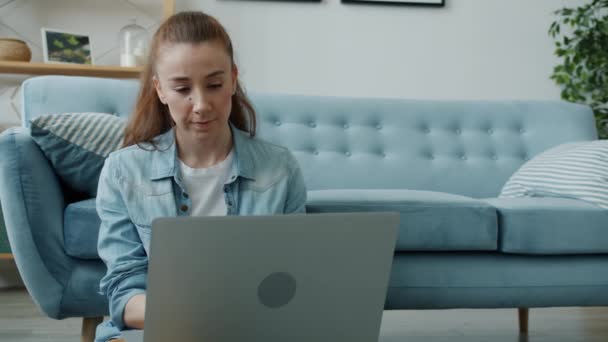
x=151 y=117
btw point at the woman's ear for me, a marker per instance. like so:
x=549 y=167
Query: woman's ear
x=159 y=91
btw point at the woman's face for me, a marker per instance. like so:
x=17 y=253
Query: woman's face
x=196 y=82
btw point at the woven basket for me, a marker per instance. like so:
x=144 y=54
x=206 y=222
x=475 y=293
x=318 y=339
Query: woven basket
x=14 y=50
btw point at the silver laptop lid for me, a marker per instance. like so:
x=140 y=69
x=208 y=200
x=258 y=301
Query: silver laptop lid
x=320 y=277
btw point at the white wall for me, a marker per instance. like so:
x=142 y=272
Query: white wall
x=469 y=49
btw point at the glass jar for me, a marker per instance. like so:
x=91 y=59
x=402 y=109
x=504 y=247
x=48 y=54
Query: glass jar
x=133 y=45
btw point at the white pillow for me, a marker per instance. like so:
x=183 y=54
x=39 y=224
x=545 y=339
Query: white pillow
x=574 y=170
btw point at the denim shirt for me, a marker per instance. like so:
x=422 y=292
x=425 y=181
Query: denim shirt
x=136 y=186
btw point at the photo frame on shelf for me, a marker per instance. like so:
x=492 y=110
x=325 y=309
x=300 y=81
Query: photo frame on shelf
x=64 y=47
x=423 y=3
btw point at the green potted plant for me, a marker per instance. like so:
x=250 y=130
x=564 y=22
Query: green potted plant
x=581 y=42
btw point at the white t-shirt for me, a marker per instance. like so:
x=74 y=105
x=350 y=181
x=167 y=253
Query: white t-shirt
x=205 y=187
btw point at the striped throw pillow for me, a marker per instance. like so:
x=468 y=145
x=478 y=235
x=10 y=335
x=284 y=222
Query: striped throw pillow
x=77 y=144
x=576 y=170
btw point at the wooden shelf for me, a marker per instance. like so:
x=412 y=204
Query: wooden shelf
x=68 y=69
x=6 y=256
x=76 y=69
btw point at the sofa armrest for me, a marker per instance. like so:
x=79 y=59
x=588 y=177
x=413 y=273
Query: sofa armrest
x=32 y=202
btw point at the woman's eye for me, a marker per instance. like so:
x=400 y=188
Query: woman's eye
x=182 y=90
x=215 y=85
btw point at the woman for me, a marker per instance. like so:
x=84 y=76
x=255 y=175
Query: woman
x=189 y=149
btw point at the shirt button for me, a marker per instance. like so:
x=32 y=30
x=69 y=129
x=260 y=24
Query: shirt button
x=185 y=195
x=230 y=204
x=226 y=188
x=183 y=208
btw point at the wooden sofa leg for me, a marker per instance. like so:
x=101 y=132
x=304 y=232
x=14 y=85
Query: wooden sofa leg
x=89 y=324
x=523 y=320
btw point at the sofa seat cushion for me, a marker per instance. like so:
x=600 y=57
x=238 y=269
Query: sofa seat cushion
x=430 y=221
x=545 y=225
x=80 y=229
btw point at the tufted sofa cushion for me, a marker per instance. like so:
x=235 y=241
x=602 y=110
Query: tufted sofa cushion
x=468 y=148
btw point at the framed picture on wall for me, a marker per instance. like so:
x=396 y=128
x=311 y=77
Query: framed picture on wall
x=59 y=46
x=431 y=3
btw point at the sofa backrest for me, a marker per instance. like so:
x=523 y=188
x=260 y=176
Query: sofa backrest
x=462 y=147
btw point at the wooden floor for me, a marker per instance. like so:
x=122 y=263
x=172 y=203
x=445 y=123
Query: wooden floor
x=20 y=321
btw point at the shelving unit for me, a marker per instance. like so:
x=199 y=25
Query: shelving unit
x=28 y=68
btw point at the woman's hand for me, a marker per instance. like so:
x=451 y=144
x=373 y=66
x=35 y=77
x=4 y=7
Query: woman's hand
x=135 y=311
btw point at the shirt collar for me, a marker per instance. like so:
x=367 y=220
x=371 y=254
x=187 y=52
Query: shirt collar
x=165 y=162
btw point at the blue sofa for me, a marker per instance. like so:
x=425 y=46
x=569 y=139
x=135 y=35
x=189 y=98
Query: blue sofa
x=441 y=164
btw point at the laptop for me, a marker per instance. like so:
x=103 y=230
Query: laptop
x=314 y=277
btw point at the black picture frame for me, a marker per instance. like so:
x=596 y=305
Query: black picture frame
x=283 y=1
x=417 y=3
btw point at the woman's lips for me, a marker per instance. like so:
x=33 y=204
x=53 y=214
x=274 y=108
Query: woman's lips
x=202 y=124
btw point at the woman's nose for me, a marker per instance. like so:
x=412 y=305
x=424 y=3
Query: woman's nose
x=199 y=102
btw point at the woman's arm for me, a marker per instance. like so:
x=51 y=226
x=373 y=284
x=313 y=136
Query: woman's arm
x=296 y=189
x=121 y=249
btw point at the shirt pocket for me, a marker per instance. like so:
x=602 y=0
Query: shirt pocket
x=264 y=180
x=153 y=188
x=144 y=208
